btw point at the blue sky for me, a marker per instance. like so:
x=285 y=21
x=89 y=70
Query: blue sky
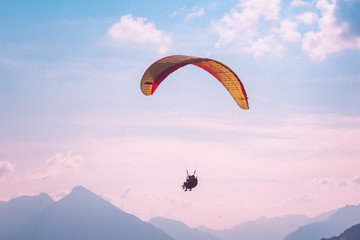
x=72 y=112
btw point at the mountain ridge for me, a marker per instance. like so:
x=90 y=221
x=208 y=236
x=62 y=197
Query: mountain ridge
x=84 y=215
x=19 y=209
x=262 y=228
x=179 y=230
x=340 y=220
x=352 y=233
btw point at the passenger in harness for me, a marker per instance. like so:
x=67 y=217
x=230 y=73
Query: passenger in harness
x=191 y=181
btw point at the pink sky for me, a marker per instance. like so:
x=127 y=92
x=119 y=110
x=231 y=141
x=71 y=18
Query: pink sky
x=300 y=164
x=72 y=113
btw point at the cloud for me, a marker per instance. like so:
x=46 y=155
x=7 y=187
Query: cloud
x=330 y=181
x=298 y=3
x=288 y=31
x=139 y=31
x=356 y=181
x=343 y=183
x=6 y=167
x=332 y=36
x=175 y=13
x=348 y=11
x=307 y=18
x=322 y=181
x=126 y=192
x=305 y=199
x=195 y=13
x=58 y=164
x=242 y=25
x=264 y=45
x=325 y=30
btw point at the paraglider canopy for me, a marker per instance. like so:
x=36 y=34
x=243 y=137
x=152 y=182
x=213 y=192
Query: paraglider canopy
x=160 y=69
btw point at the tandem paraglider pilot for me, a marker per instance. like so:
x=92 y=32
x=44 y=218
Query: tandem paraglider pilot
x=191 y=181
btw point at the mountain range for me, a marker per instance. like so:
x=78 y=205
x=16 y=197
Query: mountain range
x=79 y=215
x=271 y=228
x=179 y=230
x=84 y=215
x=19 y=209
x=352 y=233
x=335 y=224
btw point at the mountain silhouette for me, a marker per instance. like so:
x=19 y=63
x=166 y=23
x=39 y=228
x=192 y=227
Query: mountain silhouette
x=340 y=220
x=179 y=230
x=261 y=229
x=19 y=209
x=84 y=215
x=352 y=233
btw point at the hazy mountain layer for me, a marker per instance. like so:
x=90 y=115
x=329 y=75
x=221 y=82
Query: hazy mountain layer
x=342 y=219
x=84 y=215
x=179 y=230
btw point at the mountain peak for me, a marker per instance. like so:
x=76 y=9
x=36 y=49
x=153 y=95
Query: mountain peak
x=84 y=215
x=80 y=190
x=79 y=195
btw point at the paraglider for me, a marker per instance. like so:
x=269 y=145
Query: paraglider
x=191 y=181
x=160 y=69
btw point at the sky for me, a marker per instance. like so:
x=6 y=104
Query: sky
x=72 y=113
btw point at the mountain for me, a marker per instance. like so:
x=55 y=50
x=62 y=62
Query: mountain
x=261 y=229
x=352 y=233
x=180 y=231
x=342 y=219
x=84 y=215
x=19 y=209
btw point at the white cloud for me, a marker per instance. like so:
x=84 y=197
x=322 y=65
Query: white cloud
x=298 y=3
x=242 y=25
x=268 y=9
x=139 y=31
x=307 y=18
x=6 y=167
x=249 y=25
x=195 y=13
x=265 y=45
x=175 y=13
x=58 y=164
x=331 y=37
x=288 y=31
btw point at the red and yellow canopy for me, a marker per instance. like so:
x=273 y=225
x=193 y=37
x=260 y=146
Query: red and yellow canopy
x=160 y=69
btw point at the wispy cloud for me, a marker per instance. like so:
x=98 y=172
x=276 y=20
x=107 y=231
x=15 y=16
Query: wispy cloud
x=6 y=167
x=126 y=192
x=58 y=164
x=139 y=31
x=356 y=181
x=298 y=3
x=322 y=181
x=195 y=13
x=343 y=183
x=332 y=181
x=175 y=13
